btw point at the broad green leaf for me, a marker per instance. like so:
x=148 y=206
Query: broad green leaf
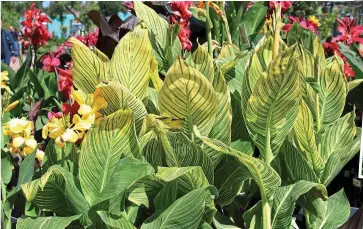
x=127 y=171
x=115 y=222
x=302 y=36
x=118 y=97
x=253 y=20
x=285 y=198
x=131 y=62
x=305 y=138
x=229 y=186
x=56 y=191
x=187 y=94
x=339 y=135
x=101 y=150
x=6 y=171
x=53 y=222
x=222 y=222
x=185 y=213
x=181 y=152
x=266 y=178
x=152 y=149
x=167 y=195
x=26 y=172
x=153 y=21
x=203 y=62
x=337 y=210
x=354 y=60
x=272 y=109
x=101 y=55
x=143 y=191
x=88 y=70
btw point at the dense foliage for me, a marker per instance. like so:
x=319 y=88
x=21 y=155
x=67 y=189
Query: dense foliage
x=235 y=134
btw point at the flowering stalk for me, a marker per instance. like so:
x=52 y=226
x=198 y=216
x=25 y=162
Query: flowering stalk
x=209 y=33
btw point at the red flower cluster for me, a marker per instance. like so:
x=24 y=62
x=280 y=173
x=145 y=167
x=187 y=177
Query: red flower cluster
x=181 y=15
x=285 y=6
x=33 y=28
x=89 y=39
x=306 y=24
x=67 y=108
x=65 y=82
x=350 y=34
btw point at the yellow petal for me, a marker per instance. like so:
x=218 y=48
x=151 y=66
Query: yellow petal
x=17 y=125
x=31 y=143
x=40 y=155
x=18 y=141
x=70 y=136
x=99 y=103
x=28 y=150
x=59 y=142
x=45 y=131
x=79 y=96
x=84 y=109
x=76 y=119
x=11 y=106
x=4 y=73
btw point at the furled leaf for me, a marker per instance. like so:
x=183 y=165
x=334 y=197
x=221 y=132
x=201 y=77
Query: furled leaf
x=302 y=36
x=53 y=222
x=131 y=62
x=354 y=83
x=101 y=150
x=187 y=94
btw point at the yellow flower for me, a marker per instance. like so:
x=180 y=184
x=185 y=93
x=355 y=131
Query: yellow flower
x=4 y=78
x=22 y=140
x=11 y=106
x=314 y=19
x=40 y=155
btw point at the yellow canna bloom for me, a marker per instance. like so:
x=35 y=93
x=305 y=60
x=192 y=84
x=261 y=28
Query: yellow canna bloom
x=4 y=78
x=314 y=19
x=40 y=155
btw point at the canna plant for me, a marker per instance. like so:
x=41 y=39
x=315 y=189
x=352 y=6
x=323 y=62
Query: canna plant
x=193 y=149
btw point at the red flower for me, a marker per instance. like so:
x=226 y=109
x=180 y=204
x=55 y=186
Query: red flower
x=88 y=39
x=50 y=62
x=184 y=35
x=285 y=6
x=306 y=24
x=67 y=108
x=181 y=15
x=33 y=26
x=350 y=33
x=65 y=82
x=348 y=71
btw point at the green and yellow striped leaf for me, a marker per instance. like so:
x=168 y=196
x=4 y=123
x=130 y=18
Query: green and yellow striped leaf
x=88 y=69
x=131 y=62
x=203 y=62
x=119 y=97
x=53 y=222
x=337 y=210
x=115 y=222
x=101 y=55
x=187 y=94
x=102 y=148
x=305 y=138
x=273 y=106
x=56 y=191
x=185 y=213
x=264 y=175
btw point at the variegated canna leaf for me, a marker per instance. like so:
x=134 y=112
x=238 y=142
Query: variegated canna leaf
x=203 y=62
x=53 y=222
x=56 y=191
x=131 y=62
x=187 y=94
x=88 y=69
x=101 y=150
x=273 y=106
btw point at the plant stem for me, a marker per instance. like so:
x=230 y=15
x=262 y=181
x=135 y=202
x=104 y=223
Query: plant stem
x=209 y=33
x=266 y=215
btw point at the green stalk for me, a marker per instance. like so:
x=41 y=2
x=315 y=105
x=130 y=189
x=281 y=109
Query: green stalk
x=209 y=33
x=266 y=215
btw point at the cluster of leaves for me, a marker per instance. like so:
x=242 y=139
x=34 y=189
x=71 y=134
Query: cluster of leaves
x=192 y=150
